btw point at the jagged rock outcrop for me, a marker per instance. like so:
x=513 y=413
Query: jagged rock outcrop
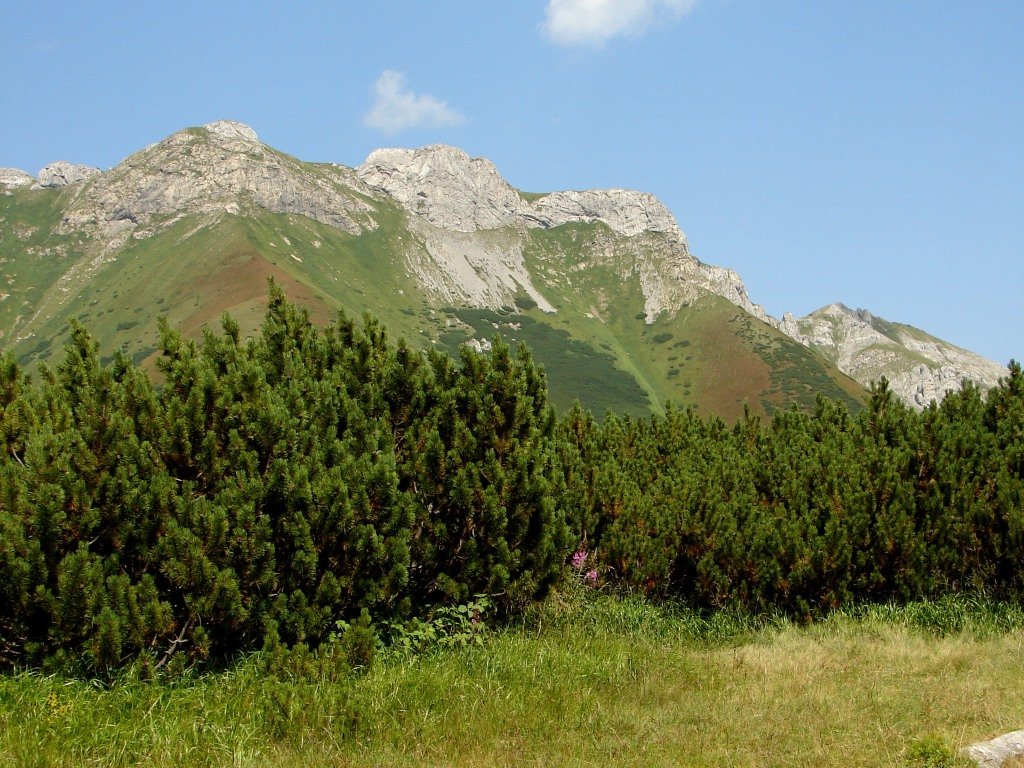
x=452 y=190
x=457 y=197
x=213 y=170
x=15 y=177
x=230 y=130
x=727 y=284
x=919 y=367
x=445 y=186
x=61 y=174
x=624 y=211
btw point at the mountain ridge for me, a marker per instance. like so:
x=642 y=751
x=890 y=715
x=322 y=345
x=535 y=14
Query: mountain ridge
x=468 y=237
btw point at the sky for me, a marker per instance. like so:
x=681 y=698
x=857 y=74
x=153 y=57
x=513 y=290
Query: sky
x=870 y=153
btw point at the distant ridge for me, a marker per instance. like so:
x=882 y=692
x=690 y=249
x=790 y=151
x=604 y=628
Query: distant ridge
x=446 y=251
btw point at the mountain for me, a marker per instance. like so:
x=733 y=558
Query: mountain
x=919 y=367
x=600 y=283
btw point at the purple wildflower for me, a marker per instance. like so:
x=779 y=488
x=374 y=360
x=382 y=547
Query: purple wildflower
x=590 y=578
x=579 y=559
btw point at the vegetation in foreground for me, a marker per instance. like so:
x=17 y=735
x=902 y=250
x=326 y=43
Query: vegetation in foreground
x=582 y=680
x=310 y=484
x=288 y=551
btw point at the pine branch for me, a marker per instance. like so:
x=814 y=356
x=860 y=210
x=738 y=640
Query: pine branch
x=17 y=458
x=179 y=640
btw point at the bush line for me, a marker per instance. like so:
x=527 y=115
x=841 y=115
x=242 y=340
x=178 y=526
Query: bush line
x=270 y=490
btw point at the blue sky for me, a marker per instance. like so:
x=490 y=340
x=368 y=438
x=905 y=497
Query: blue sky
x=870 y=153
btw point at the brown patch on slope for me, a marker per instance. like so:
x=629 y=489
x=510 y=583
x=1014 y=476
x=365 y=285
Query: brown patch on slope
x=239 y=286
x=732 y=374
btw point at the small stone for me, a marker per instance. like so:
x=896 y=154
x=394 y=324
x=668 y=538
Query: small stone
x=995 y=752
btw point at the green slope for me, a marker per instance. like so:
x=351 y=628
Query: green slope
x=194 y=273
x=710 y=354
x=596 y=348
x=32 y=257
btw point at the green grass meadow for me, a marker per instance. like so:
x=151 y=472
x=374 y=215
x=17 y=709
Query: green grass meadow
x=584 y=681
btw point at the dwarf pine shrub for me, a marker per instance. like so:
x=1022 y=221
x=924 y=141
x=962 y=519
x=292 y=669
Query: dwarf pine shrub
x=272 y=490
x=266 y=490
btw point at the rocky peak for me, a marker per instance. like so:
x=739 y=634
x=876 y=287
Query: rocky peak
x=728 y=284
x=211 y=171
x=61 y=174
x=15 y=177
x=230 y=130
x=452 y=197
x=839 y=310
x=624 y=211
x=452 y=190
x=919 y=367
x=445 y=186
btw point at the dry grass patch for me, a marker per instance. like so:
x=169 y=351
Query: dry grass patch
x=860 y=698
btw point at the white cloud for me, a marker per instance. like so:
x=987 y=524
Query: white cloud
x=594 y=22
x=397 y=108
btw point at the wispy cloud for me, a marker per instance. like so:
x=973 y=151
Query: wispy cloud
x=595 y=22
x=397 y=108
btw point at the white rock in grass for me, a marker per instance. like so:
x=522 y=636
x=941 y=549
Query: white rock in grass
x=994 y=752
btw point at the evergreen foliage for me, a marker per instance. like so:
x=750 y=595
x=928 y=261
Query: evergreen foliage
x=813 y=511
x=268 y=491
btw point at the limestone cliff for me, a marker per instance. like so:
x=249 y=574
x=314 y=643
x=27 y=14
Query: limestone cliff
x=61 y=174
x=445 y=186
x=452 y=190
x=919 y=367
x=213 y=170
x=453 y=198
x=58 y=174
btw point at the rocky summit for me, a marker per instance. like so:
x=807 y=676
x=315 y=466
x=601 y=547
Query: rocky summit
x=60 y=174
x=12 y=177
x=600 y=283
x=448 y=193
x=919 y=367
x=454 y=191
x=210 y=171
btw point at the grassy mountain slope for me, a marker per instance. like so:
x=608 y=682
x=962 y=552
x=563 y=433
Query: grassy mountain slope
x=708 y=353
x=32 y=257
x=596 y=348
x=193 y=227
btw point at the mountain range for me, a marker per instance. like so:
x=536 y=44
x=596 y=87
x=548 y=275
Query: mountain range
x=601 y=283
